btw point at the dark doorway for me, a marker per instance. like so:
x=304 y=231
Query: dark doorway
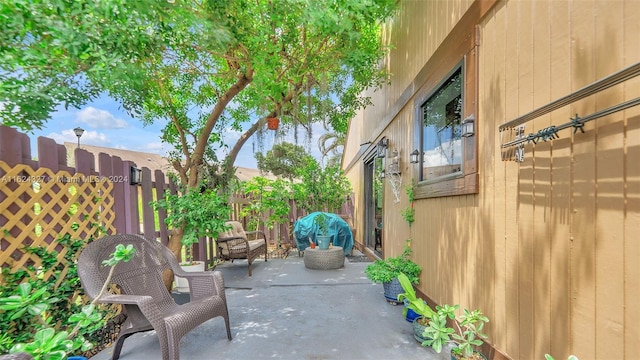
x=373 y=197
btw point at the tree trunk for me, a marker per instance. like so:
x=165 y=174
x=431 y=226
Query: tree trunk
x=175 y=245
x=195 y=158
x=233 y=154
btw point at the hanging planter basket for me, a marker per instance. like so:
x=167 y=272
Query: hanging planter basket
x=272 y=123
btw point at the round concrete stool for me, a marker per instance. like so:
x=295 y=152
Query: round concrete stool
x=328 y=259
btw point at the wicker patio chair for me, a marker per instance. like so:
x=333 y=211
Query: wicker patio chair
x=16 y=356
x=234 y=244
x=147 y=303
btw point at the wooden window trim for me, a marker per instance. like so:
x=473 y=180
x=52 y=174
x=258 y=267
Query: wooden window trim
x=459 y=37
x=444 y=61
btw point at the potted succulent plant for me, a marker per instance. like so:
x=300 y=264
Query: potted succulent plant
x=386 y=272
x=413 y=304
x=466 y=335
x=51 y=342
x=322 y=237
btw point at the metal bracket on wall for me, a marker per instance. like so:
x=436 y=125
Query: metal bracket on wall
x=515 y=136
x=519 y=155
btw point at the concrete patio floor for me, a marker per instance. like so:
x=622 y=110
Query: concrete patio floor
x=286 y=311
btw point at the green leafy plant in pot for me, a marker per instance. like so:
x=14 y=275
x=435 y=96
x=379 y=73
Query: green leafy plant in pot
x=386 y=272
x=466 y=335
x=417 y=305
x=199 y=214
x=322 y=237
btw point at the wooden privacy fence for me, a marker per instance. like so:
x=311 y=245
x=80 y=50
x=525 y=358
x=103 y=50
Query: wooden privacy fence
x=39 y=205
x=44 y=199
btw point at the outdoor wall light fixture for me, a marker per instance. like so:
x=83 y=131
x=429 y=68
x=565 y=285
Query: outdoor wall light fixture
x=381 y=148
x=468 y=126
x=413 y=157
x=382 y=174
x=136 y=176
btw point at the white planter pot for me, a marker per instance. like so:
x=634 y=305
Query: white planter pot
x=182 y=285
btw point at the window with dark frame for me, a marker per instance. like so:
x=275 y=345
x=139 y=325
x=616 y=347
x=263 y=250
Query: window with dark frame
x=447 y=163
x=447 y=160
x=442 y=142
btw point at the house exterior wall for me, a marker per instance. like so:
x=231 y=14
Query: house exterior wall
x=547 y=248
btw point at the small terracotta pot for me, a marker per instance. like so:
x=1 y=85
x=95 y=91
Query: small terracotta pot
x=272 y=123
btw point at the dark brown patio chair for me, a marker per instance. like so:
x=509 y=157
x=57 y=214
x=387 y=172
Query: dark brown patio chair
x=16 y=356
x=147 y=303
x=234 y=244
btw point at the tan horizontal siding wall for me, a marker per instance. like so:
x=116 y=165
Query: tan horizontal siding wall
x=414 y=34
x=548 y=248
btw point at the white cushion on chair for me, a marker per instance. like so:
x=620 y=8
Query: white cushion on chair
x=233 y=244
x=238 y=231
x=235 y=231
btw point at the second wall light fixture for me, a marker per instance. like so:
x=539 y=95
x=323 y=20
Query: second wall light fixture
x=414 y=157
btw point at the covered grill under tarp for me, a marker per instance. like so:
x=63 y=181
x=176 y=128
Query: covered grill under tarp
x=305 y=230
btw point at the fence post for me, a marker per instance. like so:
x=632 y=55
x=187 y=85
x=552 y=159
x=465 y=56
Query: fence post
x=11 y=149
x=160 y=186
x=148 y=221
x=85 y=162
x=119 y=204
x=48 y=154
x=132 y=219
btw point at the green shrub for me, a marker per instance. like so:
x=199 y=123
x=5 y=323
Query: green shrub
x=48 y=337
x=382 y=271
x=199 y=213
x=61 y=299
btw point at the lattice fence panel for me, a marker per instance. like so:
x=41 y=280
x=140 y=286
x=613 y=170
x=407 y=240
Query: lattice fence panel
x=38 y=206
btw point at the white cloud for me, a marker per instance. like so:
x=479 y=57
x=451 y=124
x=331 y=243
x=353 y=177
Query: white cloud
x=446 y=154
x=230 y=136
x=88 y=137
x=99 y=119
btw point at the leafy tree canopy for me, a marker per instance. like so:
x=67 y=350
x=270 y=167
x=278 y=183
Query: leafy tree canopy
x=270 y=202
x=284 y=159
x=301 y=61
x=66 y=52
x=331 y=145
x=320 y=189
x=206 y=66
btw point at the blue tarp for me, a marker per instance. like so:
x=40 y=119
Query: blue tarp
x=305 y=229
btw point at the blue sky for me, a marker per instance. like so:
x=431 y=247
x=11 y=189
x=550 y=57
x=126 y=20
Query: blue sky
x=107 y=125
